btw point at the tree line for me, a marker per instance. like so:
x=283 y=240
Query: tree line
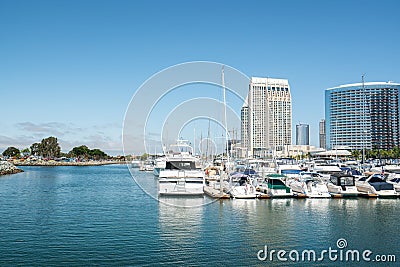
x=50 y=149
x=393 y=153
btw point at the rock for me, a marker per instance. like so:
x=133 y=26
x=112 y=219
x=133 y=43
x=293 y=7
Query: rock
x=8 y=168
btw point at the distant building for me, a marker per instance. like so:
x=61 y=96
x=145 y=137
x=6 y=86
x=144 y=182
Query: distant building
x=302 y=134
x=266 y=117
x=363 y=115
x=298 y=151
x=244 y=116
x=322 y=134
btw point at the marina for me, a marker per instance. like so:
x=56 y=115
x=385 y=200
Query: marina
x=98 y=215
x=182 y=176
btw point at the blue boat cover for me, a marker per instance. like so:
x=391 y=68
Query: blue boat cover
x=382 y=186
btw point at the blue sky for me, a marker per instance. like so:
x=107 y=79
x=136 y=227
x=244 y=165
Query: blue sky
x=70 y=68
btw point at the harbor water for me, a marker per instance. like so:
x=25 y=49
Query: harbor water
x=98 y=215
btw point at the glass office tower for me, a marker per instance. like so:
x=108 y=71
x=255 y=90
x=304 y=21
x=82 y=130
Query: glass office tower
x=363 y=115
x=302 y=134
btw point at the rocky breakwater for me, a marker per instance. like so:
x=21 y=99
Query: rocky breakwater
x=8 y=168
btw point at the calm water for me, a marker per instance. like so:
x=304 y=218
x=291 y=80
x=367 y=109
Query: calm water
x=74 y=216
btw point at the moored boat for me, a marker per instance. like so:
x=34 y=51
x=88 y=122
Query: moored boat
x=342 y=185
x=376 y=184
x=135 y=164
x=242 y=188
x=180 y=177
x=309 y=187
x=158 y=166
x=274 y=186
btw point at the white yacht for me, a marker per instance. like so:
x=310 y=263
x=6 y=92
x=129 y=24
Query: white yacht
x=376 y=184
x=327 y=170
x=342 y=185
x=180 y=177
x=274 y=185
x=312 y=187
x=242 y=188
x=135 y=164
x=394 y=178
x=147 y=166
x=159 y=165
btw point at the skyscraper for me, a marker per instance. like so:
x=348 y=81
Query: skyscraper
x=322 y=134
x=302 y=134
x=244 y=116
x=268 y=109
x=363 y=115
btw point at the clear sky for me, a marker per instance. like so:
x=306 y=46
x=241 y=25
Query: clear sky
x=70 y=68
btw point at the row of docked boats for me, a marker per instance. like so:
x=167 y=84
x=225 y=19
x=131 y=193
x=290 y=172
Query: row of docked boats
x=179 y=174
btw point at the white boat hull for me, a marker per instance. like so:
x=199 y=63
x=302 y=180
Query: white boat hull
x=181 y=187
x=243 y=192
x=366 y=188
x=275 y=192
x=351 y=191
x=311 y=191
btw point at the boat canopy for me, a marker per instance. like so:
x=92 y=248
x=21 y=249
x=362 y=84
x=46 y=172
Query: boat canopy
x=342 y=180
x=290 y=171
x=276 y=175
x=249 y=171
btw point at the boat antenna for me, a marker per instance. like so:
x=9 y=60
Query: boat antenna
x=208 y=138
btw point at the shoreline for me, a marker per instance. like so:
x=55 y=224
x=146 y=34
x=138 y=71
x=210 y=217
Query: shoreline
x=7 y=168
x=57 y=163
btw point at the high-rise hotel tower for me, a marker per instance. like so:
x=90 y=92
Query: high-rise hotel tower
x=266 y=117
x=363 y=115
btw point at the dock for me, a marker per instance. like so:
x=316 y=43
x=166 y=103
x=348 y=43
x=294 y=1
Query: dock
x=300 y=195
x=368 y=195
x=215 y=193
x=264 y=196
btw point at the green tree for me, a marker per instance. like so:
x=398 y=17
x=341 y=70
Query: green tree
x=356 y=154
x=80 y=151
x=144 y=156
x=49 y=147
x=11 y=152
x=97 y=154
x=35 y=149
x=396 y=152
x=26 y=151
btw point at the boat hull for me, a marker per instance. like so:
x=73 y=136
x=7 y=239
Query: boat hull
x=369 y=189
x=156 y=171
x=181 y=187
x=351 y=191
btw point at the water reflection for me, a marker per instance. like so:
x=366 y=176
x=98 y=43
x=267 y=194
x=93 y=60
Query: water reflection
x=180 y=228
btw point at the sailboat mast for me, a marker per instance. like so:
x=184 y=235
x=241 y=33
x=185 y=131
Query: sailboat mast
x=226 y=123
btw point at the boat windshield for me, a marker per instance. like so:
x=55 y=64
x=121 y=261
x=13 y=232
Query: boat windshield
x=375 y=179
x=395 y=180
x=180 y=165
x=347 y=181
x=276 y=182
